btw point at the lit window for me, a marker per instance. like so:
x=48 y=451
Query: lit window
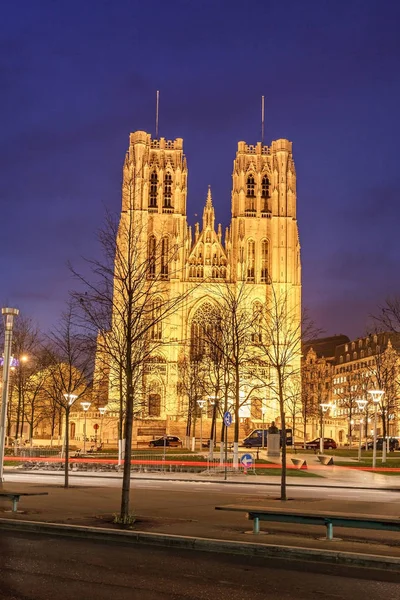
x=264 y=261
x=153 y=190
x=168 y=190
x=164 y=258
x=152 y=257
x=250 y=186
x=251 y=251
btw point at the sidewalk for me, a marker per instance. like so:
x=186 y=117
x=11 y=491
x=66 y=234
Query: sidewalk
x=177 y=515
x=327 y=476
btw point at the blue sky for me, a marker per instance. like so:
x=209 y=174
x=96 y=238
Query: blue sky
x=77 y=77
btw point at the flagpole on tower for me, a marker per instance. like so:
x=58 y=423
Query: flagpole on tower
x=262 y=120
x=157 y=107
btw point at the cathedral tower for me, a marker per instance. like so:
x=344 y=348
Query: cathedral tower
x=263 y=233
x=155 y=188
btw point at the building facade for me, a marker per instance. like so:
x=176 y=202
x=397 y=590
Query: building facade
x=260 y=248
x=340 y=372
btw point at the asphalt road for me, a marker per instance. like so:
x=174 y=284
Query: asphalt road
x=35 y=567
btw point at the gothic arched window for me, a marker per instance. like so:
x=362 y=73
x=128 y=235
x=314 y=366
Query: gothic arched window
x=154 y=407
x=250 y=187
x=203 y=331
x=265 y=193
x=265 y=187
x=153 y=190
x=168 y=190
x=251 y=259
x=264 y=261
x=164 y=257
x=152 y=256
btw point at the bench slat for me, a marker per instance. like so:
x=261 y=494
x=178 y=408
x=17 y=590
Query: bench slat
x=8 y=494
x=316 y=514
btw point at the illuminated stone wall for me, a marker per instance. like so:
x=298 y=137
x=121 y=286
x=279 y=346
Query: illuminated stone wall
x=261 y=246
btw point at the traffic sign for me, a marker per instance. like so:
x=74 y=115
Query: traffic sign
x=95 y=426
x=227 y=418
x=246 y=460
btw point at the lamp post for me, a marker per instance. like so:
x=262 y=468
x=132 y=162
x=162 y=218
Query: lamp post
x=201 y=405
x=70 y=398
x=361 y=403
x=376 y=397
x=263 y=411
x=85 y=406
x=9 y=313
x=324 y=408
x=102 y=411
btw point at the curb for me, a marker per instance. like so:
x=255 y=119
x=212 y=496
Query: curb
x=226 y=482
x=372 y=561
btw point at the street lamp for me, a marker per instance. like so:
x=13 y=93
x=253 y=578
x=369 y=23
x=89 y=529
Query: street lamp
x=376 y=397
x=70 y=398
x=102 y=411
x=324 y=408
x=85 y=406
x=201 y=405
x=361 y=403
x=9 y=313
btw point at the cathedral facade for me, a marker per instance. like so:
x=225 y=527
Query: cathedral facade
x=260 y=247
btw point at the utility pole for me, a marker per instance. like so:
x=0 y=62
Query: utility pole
x=9 y=313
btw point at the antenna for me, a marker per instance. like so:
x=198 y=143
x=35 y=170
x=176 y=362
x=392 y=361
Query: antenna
x=157 y=106
x=262 y=120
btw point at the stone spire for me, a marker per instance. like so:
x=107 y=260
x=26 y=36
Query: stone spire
x=208 y=213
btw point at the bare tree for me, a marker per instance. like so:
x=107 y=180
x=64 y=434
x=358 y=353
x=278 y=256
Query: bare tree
x=26 y=346
x=69 y=372
x=192 y=386
x=293 y=402
x=37 y=408
x=279 y=331
x=313 y=382
x=387 y=317
x=384 y=372
x=128 y=300
x=230 y=337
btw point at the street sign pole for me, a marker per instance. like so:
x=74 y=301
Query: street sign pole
x=227 y=421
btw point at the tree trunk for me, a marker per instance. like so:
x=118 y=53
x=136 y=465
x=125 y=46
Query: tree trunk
x=237 y=403
x=213 y=429
x=16 y=434
x=126 y=479
x=283 y=435
x=22 y=415
x=121 y=407
x=31 y=423
x=283 y=476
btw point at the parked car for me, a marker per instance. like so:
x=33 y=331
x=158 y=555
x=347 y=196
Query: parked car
x=393 y=444
x=329 y=444
x=255 y=438
x=172 y=441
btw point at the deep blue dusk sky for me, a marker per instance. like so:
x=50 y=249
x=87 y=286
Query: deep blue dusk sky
x=78 y=76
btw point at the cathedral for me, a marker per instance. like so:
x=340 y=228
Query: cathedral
x=260 y=246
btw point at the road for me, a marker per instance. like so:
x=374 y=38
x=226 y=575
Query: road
x=38 y=567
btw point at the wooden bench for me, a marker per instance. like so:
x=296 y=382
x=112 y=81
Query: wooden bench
x=325 y=460
x=15 y=497
x=294 y=515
